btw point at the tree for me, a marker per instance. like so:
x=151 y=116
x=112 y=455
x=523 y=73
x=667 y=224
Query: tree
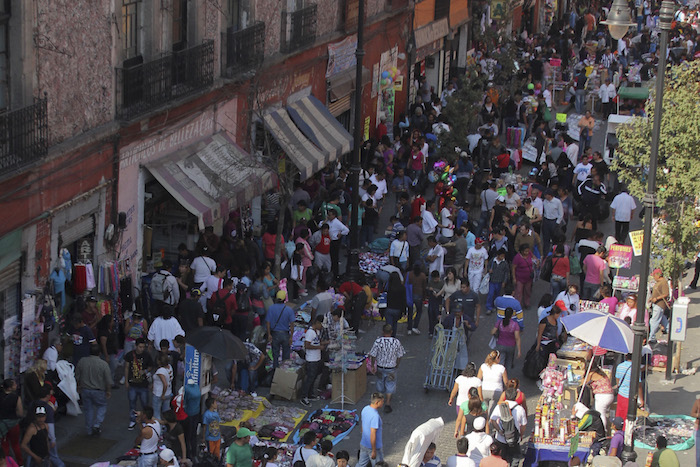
x=675 y=236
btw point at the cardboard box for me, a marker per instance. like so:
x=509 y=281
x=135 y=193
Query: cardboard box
x=355 y=385
x=287 y=383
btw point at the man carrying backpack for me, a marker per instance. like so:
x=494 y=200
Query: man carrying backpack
x=509 y=423
x=222 y=305
x=164 y=288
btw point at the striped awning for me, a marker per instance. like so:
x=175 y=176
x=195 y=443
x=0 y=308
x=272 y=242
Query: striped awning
x=317 y=124
x=212 y=177
x=308 y=158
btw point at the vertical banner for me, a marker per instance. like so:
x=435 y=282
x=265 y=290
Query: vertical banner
x=637 y=238
x=193 y=365
x=386 y=96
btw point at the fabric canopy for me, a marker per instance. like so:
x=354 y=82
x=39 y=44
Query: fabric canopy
x=308 y=158
x=212 y=177
x=317 y=124
x=640 y=94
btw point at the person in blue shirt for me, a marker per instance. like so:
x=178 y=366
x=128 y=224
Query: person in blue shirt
x=212 y=428
x=280 y=327
x=507 y=300
x=192 y=406
x=623 y=376
x=371 y=442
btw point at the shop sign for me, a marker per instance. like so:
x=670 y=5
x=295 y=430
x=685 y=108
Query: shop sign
x=620 y=256
x=498 y=9
x=193 y=365
x=637 y=238
x=341 y=56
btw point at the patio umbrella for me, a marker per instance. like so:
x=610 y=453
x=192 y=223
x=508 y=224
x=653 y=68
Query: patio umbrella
x=600 y=329
x=217 y=342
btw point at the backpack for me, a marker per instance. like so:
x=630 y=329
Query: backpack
x=507 y=426
x=160 y=288
x=216 y=306
x=243 y=298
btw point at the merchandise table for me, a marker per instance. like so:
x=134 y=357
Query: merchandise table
x=537 y=453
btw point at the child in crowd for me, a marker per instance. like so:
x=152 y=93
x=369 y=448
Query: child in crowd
x=212 y=428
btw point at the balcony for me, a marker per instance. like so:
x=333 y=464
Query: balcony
x=244 y=49
x=147 y=86
x=24 y=137
x=298 y=29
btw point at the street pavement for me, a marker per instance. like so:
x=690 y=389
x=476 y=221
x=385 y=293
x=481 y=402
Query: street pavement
x=412 y=404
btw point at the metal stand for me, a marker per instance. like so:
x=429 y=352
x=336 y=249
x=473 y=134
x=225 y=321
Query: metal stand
x=342 y=399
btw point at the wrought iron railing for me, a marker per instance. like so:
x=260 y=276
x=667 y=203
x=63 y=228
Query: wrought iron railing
x=24 y=136
x=244 y=48
x=301 y=28
x=144 y=87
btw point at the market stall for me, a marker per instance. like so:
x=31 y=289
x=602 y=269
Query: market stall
x=331 y=424
x=269 y=422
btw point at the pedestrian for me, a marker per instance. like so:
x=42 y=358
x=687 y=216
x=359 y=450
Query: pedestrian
x=280 y=327
x=660 y=294
x=35 y=442
x=165 y=327
x=313 y=345
x=435 y=285
x=477 y=258
x=507 y=300
x=398 y=251
x=552 y=219
x=108 y=341
x=138 y=365
x=148 y=438
x=479 y=441
x=243 y=374
x=193 y=406
x=44 y=402
x=470 y=410
x=499 y=275
x=594 y=269
x=336 y=230
x=663 y=456
x=623 y=378
x=342 y=458
x=429 y=458
x=548 y=331
x=174 y=438
x=325 y=458
x=371 y=446
x=307 y=450
x=395 y=302
x=523 y=272
x=167 y=458
x=694 y=282
x=509 y=447
x=494 y=376
x=165 y=290
x=83 y=338
x=495 y=458
x=212 y=428
x=355 y=302
x=11 y=412
x=162 y=385
x=463 y=384
x=623 y=207
x=240 y=452
x=617 y=441
x=414 y=237
x=561 y=269
x=465 y=301
x=591 y=191
x=419 y=282
x=95 y=382
x=322 y=251
x=507 y=332
x=51 y=356
x=35 y=380
x=602 y=391
x=386 y=353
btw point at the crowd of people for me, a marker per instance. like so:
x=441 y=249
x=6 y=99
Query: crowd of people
x=460 y=257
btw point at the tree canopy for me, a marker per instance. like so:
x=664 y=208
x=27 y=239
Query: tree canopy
x=676 y=234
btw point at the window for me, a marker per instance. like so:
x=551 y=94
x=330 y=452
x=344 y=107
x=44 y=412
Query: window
x=442 y=9
x=4 y=58
x=234 y=14
x=179 y=24
x=130 y=31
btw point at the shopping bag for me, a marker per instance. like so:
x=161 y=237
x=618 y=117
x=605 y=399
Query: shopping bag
x=574 y=265
x=493 y=342
x=484 y=286
x=546 y=272
x=534 y=363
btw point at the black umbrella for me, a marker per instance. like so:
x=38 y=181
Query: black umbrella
x=217 y=342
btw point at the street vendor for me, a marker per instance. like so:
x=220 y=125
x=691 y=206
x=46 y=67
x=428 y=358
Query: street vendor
x=590 y=420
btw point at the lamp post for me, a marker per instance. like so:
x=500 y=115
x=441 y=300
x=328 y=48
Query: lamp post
x=353 y=266
x=618 y=23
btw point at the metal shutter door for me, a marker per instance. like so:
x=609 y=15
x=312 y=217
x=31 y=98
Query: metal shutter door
x=76 y=230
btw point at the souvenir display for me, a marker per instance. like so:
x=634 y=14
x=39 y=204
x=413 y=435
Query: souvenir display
x=330 y=424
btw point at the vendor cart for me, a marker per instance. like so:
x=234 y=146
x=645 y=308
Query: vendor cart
x=448 y=351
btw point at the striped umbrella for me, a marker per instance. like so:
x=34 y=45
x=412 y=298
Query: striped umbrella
x=600 y=329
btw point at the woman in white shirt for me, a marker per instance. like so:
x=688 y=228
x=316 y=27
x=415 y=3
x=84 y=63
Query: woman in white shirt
x=512 y=198
x=452 y=284
x=162 y=386
x=463 y=383
x=494 y=377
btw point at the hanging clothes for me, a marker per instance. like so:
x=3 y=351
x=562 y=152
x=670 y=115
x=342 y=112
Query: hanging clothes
x=89 y=276
x=80 y=282
x=65 y=263
x=58 y=280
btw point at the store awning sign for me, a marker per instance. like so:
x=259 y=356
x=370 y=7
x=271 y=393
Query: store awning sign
x=431 y=32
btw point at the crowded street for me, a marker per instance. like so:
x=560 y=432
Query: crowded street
x=459 y=234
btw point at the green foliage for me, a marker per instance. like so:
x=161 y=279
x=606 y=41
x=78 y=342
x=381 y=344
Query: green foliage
x=675 y=235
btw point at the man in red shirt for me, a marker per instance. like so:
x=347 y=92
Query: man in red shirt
x=322 y=257
x=222 y=306
x=417 y=206
x=355 y=300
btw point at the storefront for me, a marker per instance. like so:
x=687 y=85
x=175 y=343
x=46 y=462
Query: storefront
x=10 y=276
x=430 y=60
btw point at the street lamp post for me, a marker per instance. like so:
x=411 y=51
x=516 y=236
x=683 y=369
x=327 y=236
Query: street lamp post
x=353 y=267
x=618 y=23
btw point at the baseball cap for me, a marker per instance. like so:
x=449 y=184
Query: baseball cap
x=167 y=455
x=281 y=295
x=40 y=410
x=501 y=198
x=618 y=422
x=479 y=241
x=195 y=292
x=243 y=432
x=479 y=423
x=657 y=271
x=560 y=304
